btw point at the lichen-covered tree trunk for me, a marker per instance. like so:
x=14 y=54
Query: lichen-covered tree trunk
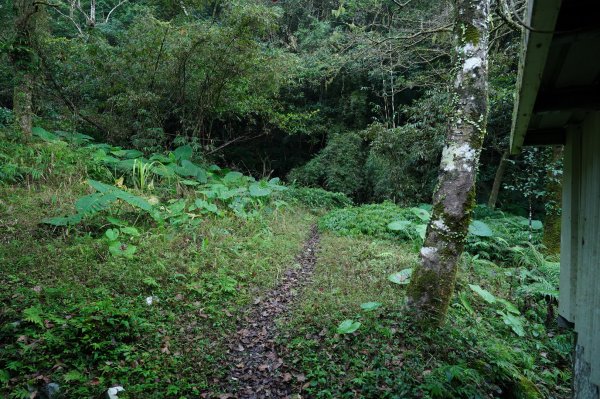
x=553 y=202
x=432 y=283
x=498 y=180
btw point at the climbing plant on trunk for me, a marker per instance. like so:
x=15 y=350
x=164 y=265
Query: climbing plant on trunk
x=433 y=280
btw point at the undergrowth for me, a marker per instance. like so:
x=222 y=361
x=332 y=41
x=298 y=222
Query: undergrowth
x=476 y=354
x=117 y=276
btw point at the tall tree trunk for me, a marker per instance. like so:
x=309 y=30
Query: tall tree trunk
x=498 y=180
x=553 y=201
x=23 y=61
x=433 y=280
x=22 y=103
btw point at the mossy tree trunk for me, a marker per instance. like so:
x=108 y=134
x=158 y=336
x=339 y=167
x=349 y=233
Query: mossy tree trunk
x=23 y=61
x=498 y=180
x=553 y=202
x=432 y=282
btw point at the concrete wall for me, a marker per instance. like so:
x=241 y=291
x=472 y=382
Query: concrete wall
x=580 y=251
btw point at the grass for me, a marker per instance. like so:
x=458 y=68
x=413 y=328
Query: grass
x=474 y=355
x=76 y=315
x=155 y=322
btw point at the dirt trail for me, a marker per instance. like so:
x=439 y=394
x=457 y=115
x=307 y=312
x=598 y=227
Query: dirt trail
x=257 y=371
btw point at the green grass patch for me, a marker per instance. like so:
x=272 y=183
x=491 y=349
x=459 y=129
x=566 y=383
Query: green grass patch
x=476 y=354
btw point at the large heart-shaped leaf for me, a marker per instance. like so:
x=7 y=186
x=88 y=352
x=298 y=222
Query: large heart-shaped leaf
x=183 y=152
x=398 y=225
x=402 y=277
x=479 y=228
x=348 y=326
x=421 y=214
x=256 y=190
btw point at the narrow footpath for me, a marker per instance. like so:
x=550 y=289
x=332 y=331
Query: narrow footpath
x=257 y=371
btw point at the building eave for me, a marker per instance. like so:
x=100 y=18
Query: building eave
x=542 y=17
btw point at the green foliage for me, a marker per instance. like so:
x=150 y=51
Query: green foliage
x=348 y=327
x=316 y=198
x=483 y=347
x=339 y=167
x=372 y=220
x=402 y=277
x=370 y=306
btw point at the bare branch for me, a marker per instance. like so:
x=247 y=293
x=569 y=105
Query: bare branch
x=113 y=9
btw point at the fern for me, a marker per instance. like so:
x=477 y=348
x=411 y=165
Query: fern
x=34 y=315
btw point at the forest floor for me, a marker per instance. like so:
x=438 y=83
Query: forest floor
x=220 y=300
x=256 y=367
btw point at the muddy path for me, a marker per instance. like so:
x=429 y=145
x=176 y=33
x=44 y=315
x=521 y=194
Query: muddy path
x=256 y=368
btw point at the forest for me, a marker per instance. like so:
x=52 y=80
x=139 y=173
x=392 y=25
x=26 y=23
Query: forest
x=273 y=199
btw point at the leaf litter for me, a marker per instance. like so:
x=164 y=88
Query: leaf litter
x=256 y=368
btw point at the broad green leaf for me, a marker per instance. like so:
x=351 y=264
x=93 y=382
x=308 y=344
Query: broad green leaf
x=256 y=190
x=535 y=224
x=232 y=177
x=117 y=248
x=127 y=154
x=399 y=225
x=480 y=229
x=202 y=204
x=131 y=231
x=421 y=230
x=464 y=300
x=368 y=306
x=112 y=234
x=189 y=169
x=348 y=326
x=183 y=152
x=515 y=323
x=63 y=221
x=44 y=134
x=116 y=222
x=421 y=214
x=509 y=306
x=94 y=203
x=485 y=294
x=131 y=199
x=402 y=277
x=162 y=158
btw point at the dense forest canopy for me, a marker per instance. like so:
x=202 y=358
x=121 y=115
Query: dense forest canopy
x=351 y=96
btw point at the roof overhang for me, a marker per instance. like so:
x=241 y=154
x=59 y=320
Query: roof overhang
x=559 y=71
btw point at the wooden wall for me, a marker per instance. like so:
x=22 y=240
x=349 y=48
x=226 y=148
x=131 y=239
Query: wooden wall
x=580 y=241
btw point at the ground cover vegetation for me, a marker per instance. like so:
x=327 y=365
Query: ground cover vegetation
x=166 y=166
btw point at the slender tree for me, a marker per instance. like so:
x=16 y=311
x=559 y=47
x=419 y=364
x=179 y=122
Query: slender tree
x=23 y=60
x=432 y=284
x=498 y=180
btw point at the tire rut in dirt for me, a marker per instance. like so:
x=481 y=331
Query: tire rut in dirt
x=257 y=371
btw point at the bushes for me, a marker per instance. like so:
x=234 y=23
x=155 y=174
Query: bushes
x=317 y=198
x=339 y=167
